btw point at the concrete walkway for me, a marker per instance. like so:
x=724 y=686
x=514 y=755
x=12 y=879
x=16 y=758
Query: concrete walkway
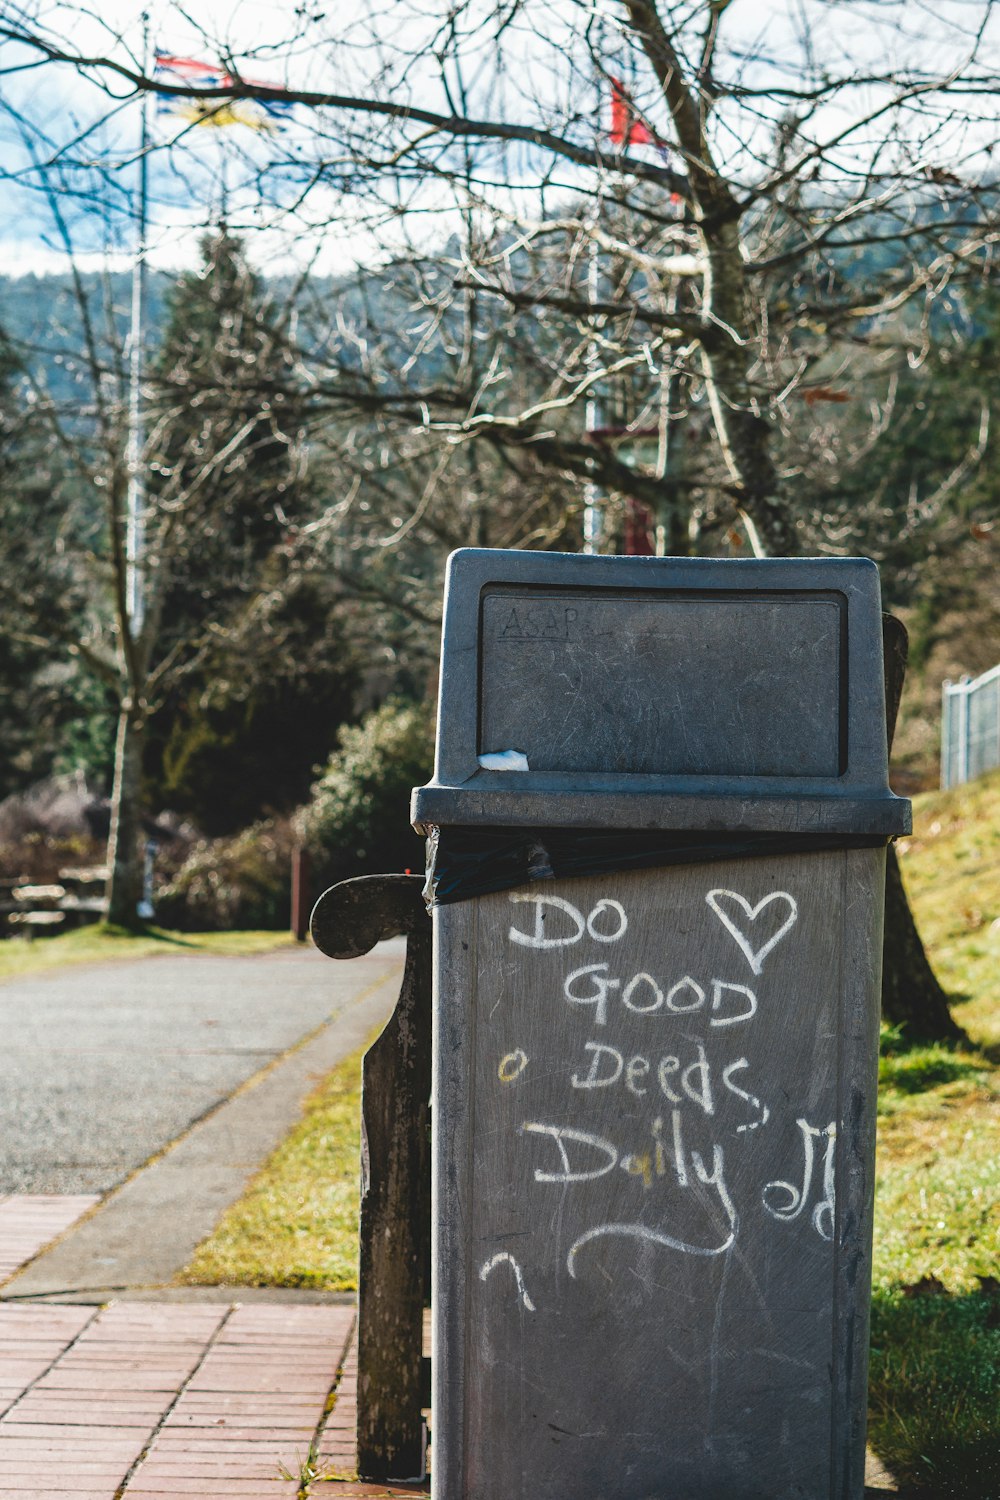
x=146 y=1230
x=104 y=1064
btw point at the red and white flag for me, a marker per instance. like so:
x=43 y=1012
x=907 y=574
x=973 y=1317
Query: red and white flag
x=626 y=128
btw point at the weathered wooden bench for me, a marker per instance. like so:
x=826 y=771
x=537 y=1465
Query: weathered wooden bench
x=394 y=1273
x=35 y=909
x=30 y=924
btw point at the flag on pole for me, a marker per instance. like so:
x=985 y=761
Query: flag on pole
x=626 y=128
x=216 y=111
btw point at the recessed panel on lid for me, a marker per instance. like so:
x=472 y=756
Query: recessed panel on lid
x=736 y=684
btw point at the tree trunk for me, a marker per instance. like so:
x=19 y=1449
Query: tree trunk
x=125 y=865
x=911 y=995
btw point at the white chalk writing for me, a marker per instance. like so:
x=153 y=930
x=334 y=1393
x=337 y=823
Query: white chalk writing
x=796 y=1198
x=581 y=924
x=676 y=1081
x=749 y=1004
x=594 y=1079
x=538 y=938
x=714 y=1178
x=731 y=1002
x=598 y=996
x=718 y=899
x=622 y=920
x=636 y=983
x=504 y=1257
x=677 y=1160
x=675 y=996
x=560 y=1134
x=752 y=1100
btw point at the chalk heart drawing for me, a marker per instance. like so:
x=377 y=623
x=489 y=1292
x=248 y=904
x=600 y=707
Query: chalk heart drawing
x=737 y=916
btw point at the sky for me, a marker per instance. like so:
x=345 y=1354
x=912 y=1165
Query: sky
x=279 y=40
x=186 y=185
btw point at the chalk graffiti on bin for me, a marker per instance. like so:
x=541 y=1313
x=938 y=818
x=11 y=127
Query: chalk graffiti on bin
x=687 y=1206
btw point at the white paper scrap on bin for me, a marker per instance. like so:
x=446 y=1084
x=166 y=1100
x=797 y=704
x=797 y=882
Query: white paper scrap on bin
x=504 y=760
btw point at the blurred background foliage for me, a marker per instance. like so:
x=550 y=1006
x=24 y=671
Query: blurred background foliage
x=300 y=615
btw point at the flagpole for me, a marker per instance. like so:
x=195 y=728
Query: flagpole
x=593 y=508
x=223 y=185
x=135 y=504
x=593 y=499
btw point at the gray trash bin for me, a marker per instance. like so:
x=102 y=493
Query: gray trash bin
x=660 y=808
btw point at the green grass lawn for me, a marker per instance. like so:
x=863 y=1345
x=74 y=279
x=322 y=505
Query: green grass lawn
x=934 y=1395
x=100 y=942
x=935 y=1369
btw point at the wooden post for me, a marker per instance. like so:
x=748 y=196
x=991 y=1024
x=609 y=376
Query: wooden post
x=300 y=893
x=394 y=1278
x=911 y=993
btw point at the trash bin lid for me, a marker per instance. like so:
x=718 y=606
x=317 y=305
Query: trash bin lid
x=661 y=693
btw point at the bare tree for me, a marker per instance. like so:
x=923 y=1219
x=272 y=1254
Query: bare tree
x=225 y=486
x=814 y=183
x=722 y=231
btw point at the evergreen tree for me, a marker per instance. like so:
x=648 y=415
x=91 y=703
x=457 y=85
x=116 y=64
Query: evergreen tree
x=263 y=676
x=52 y=715
x=226 y=498
x=223 y=397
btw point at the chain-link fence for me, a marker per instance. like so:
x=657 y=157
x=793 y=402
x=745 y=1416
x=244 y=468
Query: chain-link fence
x=970 y=727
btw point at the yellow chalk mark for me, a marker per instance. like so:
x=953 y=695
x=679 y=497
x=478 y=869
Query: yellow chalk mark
x=512 y=1066
x=641 y=1166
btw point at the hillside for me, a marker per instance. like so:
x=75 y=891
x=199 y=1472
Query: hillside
x=935 y=1359
x=951 y=866
x=41 y=315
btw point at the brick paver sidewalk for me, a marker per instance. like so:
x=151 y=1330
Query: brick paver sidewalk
x=30 y=1220
x=154 y=1401
x=169 y=1401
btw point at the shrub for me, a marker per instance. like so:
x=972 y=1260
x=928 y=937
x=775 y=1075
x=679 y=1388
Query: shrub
x=358 y=820
x=241 y=882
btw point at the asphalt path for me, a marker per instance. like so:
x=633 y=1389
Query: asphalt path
x=104 y=1065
